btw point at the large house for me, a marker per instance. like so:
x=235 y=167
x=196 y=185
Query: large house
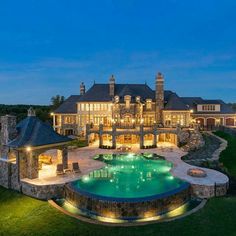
x=129 y=106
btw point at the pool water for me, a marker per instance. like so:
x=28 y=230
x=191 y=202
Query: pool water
x=129 y=176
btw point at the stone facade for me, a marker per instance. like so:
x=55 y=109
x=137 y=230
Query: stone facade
x=195 y=141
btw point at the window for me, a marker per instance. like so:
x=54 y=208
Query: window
x=127 y=101
x=149 y=104
x=116 y=99
x=82 y=106
x=69 y=120
x=138 y=99
x=87 y=107
x=69 y=132
x=208 y=107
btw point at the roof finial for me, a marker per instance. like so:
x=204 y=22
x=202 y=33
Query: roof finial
x=31 y=112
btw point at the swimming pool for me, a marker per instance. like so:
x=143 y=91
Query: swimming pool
x=129 y=186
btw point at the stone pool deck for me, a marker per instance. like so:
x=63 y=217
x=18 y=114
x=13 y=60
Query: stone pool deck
x=47 y=186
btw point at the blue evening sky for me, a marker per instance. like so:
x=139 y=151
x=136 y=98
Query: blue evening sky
x=48 y=47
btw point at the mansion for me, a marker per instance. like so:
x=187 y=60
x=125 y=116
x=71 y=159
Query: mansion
x=129 y=109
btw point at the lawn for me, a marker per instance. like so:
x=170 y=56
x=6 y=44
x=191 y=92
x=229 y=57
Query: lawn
x=228 y=156
x=22 y=215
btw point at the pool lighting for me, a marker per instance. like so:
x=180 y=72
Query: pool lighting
x=85 y=178
x=171 y=177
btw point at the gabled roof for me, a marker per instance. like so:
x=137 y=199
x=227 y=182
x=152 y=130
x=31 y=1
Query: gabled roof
x=33 y=132
x=175 y=103
x=69 y=105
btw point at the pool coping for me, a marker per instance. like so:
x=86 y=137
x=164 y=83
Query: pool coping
x=96 y=222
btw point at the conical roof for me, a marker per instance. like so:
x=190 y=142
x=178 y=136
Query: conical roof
x=33 y=132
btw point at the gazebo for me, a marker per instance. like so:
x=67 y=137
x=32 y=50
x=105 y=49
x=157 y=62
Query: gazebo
x=33 y=138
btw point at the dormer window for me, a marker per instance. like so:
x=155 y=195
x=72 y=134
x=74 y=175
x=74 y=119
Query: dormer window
x=116 y=99
x=149 y=104
x=127 y=99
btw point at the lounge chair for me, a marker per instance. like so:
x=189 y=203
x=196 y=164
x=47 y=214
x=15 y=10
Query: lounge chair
x=60 y=170
x=75 y=167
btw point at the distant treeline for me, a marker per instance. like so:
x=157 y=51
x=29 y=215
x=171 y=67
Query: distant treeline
x=20 y=111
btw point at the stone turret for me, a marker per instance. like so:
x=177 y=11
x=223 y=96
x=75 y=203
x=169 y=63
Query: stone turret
x=82 y=88
x=159 y=97
x=112 y=86
x=7 y=133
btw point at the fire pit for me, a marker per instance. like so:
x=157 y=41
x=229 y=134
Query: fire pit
x=196 y=172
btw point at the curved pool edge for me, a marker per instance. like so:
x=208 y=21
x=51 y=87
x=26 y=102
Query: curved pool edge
x=125 y=224
x=183 y=186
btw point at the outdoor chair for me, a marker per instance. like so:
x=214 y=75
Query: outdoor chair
x=60 y=170
x=75 y=167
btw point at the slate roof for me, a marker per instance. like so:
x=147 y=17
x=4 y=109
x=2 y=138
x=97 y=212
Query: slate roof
x=175 y=103
x=194 y=101
x=33 y=132
x=69 y=105
x=100 y=92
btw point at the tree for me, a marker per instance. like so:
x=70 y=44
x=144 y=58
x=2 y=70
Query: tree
x=56 y=101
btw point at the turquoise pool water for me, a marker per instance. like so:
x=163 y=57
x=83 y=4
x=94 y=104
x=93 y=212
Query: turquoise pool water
x=129 y=176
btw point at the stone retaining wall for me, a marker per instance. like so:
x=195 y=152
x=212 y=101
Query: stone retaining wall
x=204 y=191
x=126 y=209
x=43 y=192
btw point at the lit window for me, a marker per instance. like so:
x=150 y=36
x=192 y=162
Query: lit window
x=149 y=104
x=127 y=101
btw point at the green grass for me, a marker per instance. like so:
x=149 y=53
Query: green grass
x=22 y=215
x=228 y=156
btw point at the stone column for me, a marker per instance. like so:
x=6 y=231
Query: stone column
x=141 y=136
x=22 y=159
x=62 y=157
x=100 y=135
x=33 y=165
x=65 y=157
x=155 y=135
x=87 y=133
x=114 y=136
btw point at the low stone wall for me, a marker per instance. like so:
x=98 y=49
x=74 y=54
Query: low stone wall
x=223 y=146
x=127 y=209
x=204 y=191
x=43 y=192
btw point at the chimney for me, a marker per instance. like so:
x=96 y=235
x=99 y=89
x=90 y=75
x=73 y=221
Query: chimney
x=7 y=133
x=82 y=88
x=112 y=86
x=159 y=97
